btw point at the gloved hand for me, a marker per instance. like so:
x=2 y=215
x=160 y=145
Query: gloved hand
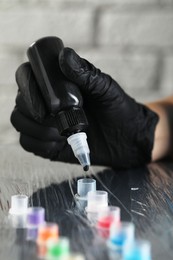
x=120 y=132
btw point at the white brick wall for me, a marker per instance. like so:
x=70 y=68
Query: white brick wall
x=9 y=61
x=137 y=27
x=167 y=77
x=7 y=133
x=132 y=40
x=21 y=26
x=133 y=71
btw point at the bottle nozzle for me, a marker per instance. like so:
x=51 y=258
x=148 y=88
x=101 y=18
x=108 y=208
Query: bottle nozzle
x=86 y=168
x=80 y=148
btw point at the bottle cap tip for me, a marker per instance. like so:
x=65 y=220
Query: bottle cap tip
x=86 y=168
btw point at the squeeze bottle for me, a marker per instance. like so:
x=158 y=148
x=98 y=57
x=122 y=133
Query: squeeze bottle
x=62 y=97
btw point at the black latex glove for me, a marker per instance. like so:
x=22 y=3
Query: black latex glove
x=120 y=132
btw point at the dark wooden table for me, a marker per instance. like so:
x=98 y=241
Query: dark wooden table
x=145 y=196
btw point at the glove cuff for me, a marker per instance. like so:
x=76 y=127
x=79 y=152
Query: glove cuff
x=146 y=122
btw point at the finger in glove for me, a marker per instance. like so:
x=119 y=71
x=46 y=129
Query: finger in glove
x=32 y=128
x=29 y=98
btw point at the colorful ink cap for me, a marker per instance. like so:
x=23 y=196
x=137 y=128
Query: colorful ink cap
x=58 y=249
x=106 y=218
x=19 y=204
x=120 y=233
x=46 y=232
x=137 y=250
x=35 y=217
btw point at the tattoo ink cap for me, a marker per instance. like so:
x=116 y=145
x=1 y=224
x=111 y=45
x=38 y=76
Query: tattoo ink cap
x=35 y=217
x=45 y=233
x=106 y=218
x=18 y=211
x=83 y=187
x=19 y=205
x=97 y=201
x=137 y=250
x=120 y=233
x=80 y=149
x=58 y=249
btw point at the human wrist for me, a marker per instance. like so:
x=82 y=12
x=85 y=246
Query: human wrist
x=163 y=140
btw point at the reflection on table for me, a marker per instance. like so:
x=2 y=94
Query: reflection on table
x=145 y=196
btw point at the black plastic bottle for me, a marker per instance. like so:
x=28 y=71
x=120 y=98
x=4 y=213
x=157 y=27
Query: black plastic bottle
x=62 y=97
